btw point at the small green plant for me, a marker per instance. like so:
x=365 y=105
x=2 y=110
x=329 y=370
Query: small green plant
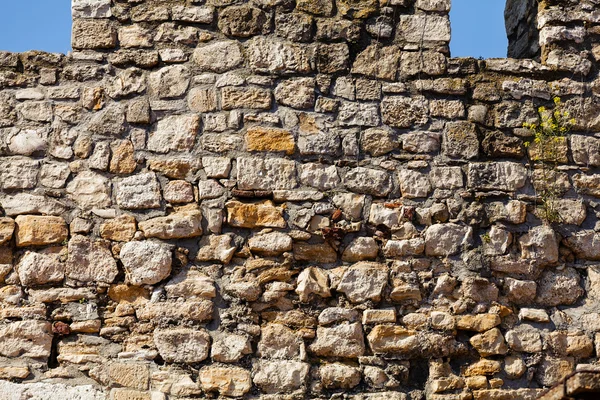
x=547 y=150
x=486 y=238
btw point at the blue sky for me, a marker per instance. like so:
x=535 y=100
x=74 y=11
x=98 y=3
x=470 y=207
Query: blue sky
x=477 y=27
x=35 y=25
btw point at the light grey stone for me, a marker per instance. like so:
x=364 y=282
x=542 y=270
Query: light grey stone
x=26 y=339
x=54 y=175
x=139 y=191
x=146 y=262
x=18 y=172
x=39 y=268
x=266 y=174
x=220 y=56
x=279 y=376
x=175 y=133
x=503 y=175
x=182 y=345
x=90 y=190
x=270 y=244
x=26 y=203
x=27 y=141
x=169 y=82
x=358 y=114
x=368 y=181
x=320 y=176
x=89 y=261
x=413 y=184
x=277 y=56
x=423 y=27
x=447 y=239
x=364 y=281
x=344 y=340
x=91 y=9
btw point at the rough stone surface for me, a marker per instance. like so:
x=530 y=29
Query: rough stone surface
x=177 y=133
x=90 y=261
x=182 y=345
x=298 y=199
x=34 y=230
x=146 y=262
x=179 y=225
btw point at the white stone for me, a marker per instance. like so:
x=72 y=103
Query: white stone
x=146 y=263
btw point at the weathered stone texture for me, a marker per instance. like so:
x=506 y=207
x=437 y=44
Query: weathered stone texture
x=298 y=199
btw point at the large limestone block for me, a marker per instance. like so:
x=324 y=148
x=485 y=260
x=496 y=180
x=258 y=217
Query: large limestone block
x=39 y=268
x=227 y=381
x=344 y=340
x=139 y=191
x=90 y=261
x=169 y=82
x=233 y=97
x=277 y=56
x=37 y=230
x=182 y=345
x=296 y=93
x=270 y=140
x=266 y=174
x=279 y=341
x=279 y=376
x=130 y=375
x=120 y=229
x=252 y=215
x=219 y=57
x=146 y=262
x=194 y=311
x=504 y=175
x=404 y=112
x=368 y=181
x=230 y=347
x=93 y=34
x=447 y=239
x=90 y=190
x=560 y=287
x=178 y=225
x=175 y=133
x=243 y=21
x=418 y=28
x=364 y=281
x=339 y=376
x=27 y=203
x=190 y=285
x=489 y=343
x=540 y=244
x=270 y=244
x=18 y=172
x=524 y=338
x=90 y=9
x=312 y=281
x=26 y=339
x=392 y=339
x=49 y=391
x=378 y=61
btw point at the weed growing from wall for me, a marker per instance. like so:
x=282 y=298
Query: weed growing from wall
x=546 y=151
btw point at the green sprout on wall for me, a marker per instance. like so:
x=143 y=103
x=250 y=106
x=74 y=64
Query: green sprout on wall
x=547 y=150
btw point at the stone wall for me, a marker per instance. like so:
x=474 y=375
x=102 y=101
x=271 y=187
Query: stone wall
x=292 y=200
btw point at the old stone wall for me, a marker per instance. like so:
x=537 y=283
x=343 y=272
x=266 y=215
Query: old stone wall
x=296 y=200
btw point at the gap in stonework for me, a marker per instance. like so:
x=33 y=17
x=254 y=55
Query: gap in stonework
x=43 y=25
x=478 y=29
